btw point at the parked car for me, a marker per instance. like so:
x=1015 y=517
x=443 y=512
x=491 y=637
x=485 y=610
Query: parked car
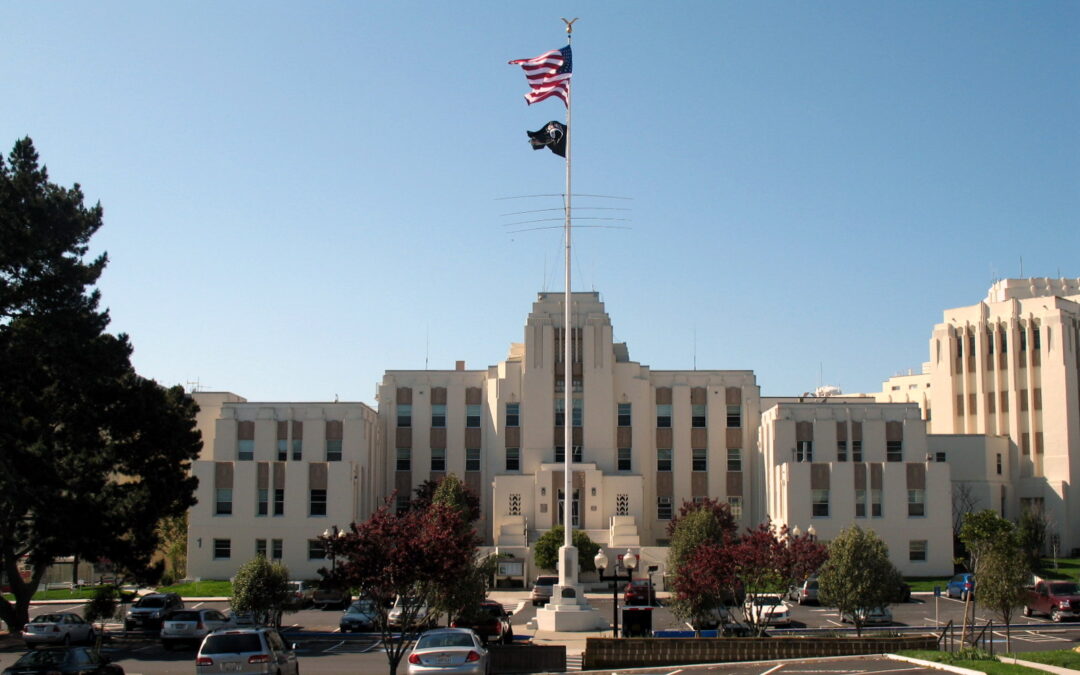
x=961 y=586
x=423 y=617
x=59 y=660
x=360 y=616
x=326 y=598
x=541 y=590
x=190 y=626
x=491 y=622
x=719 y=617
x=768 y=610
x=639 y=592
x=150 y=610
x=902 y=592
x=242 y=619
x=805 y=592
x=875 y=616
x=449 y=650
x=301 y=594
x=1056 y=599
x=59 y=628
x=246 y=651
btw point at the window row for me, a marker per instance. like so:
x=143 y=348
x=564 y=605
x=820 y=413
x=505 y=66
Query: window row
x=623 y=414
x=274 y=549
x=820 y=503
x=289 y=441
x=624 y=462
x=223 y=502
x=699 y=459
x=665 y=507
x=438 y=415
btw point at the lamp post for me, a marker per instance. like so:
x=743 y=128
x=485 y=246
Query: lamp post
x=330 y=535
x=629 y=561
x=812 y=533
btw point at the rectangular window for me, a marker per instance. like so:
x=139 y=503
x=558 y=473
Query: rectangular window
x=699 y=460
x=404 y=459
x=917 y=550
x=317 y=503
x=624 y=459
x=277 y=549
x=841 y=451
x=513 y=459
x=663 y=508
x=820 y=508
x=734 y=416
x=623 y=417
x=734 y=459
x=916 y=502
x=401 y=504
x=663 y=415
x=560 y=454
x=578 y=455
x=222 y=549
x=282 y=449
x=297 y=449
x=279 y=501
x=223 y=502
x=856 y=451
x=262 y=507
x=804 y=451
x=875 y=504
x=999 y=463
x=472 y=459
x=560 y=411
x=735 y=504
x=245 y=449
x=939 y=457
x=472 y=416
x=697 y=415
x=404 y=414
x=316 y=550
x=860 y=503
x=438 y=415
x=894 y=451
x=663 y=459
x=260 y=547
x=513 y=414
x=333 y=449
x=579 y=412
x=438 y=459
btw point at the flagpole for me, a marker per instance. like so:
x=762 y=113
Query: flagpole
x=568 y=410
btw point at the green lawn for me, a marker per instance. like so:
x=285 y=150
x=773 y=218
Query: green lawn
x=1064 y=658
x=201 y=589
x=986 y=665
x=1066 y=568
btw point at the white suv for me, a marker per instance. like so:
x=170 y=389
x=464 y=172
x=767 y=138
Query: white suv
x=246 y=651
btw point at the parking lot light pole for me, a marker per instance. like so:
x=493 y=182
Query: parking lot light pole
x=629 y=561
x=330 y=535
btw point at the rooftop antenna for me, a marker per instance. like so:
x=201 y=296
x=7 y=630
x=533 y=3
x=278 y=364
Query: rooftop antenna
x=427 y=345
x=695 y=346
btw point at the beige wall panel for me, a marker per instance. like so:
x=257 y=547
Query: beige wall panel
x=317 y=474
x=403 y=483
x=819 y=476
x=404 y=395
x=697 y=396
x=665 y=484
x=699 y=437
x=860 y=475
x=699 y=484
x=663 y=395
x=733 y=396
x=734 y=484
x=438 y=438
x=472 y=438
x=438 y=395
x=279 y=475
x=223 y=474
x=916 y=476
x=664 y=438
x=473 y=396
x=262 y=476
x=733 y=438
x=513 y=437
x=624 y=437
x=474 y=481
x=403 y=437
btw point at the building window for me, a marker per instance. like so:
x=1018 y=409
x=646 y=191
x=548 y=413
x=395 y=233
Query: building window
x=579 y=412
x=663 y=415
x=663 y=459
x=699 y=460
x=560 y=411
x=916 y=502
x=282 y=449
x=260 y=547
x=623 y=417
x=578 y=455
x=860 y=503
x=999 y=463
x=734 y=416
x=245 y=449
x=262 y=502
x=663 y=508
x=401 y=504
x=404 y=415
x=438 y=459
x=317 y=503
x=472 y=459
x=404 y=459
x=917 y=550
x=513 y=414
x=820 y=503
x=624 y=459
x=697 y=415
x=560 y=454
x=438 y=415
x=804 y=451
x=734 y=459
x=472 y=416
x=279 y=501
x=297 y=449
x=894 y=451
x=841 y=451
x=333 y=449
x=856 y=451
x=735 y=504
x=277 y=549
x=222 y=549
x=223 y=502
x=513 y=459
x=316 y=550
x=875 y=503
x=940 y=457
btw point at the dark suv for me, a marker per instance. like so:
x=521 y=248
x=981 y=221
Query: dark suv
x=490 y=621
x=150 y=611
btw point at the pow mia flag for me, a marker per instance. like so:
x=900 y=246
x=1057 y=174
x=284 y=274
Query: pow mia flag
x=553 y=136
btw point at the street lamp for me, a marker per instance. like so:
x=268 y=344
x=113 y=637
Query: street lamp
x=812 y=533
x=629 y=561
x=330 y=535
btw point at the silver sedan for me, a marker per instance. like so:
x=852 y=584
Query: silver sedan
x=449 y=651
x=58 y=628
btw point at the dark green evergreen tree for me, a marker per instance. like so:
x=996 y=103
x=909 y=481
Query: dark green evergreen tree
x=92 y=456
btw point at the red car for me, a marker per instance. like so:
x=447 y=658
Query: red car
x=639 y=592
x=491 y=622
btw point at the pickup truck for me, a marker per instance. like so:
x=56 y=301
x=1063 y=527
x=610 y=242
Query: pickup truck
x=1056 y=599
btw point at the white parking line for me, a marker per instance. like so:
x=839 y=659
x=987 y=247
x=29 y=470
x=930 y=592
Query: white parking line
x=773 y=669
x=334 y=647
x=197 y=605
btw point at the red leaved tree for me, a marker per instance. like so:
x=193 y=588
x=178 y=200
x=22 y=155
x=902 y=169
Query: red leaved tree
x=414 y=557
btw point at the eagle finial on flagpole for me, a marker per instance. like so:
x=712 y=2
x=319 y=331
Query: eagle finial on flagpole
x=569 y=25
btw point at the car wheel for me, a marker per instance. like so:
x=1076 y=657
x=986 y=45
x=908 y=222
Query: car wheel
x=1027 y=611
x=1056 y=616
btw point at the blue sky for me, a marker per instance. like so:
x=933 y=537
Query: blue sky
x=300 y=196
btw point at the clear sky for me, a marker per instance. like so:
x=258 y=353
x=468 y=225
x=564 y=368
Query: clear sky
x=299 y=196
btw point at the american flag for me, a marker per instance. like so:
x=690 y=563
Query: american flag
x=548 y=75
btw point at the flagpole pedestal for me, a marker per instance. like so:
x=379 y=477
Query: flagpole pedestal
x=568 y=610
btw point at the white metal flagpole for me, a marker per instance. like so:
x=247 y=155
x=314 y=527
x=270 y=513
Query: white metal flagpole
x=568 y=409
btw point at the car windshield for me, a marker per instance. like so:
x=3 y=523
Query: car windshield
x=361 y=608
x=1064 y=589
x=640 y=583
x=150 y=602
x=185 y=616
x=439 y=640
x=42 y=657
x=767 y=601
x=48 y=618
x=546 y=581
x=232 y=643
